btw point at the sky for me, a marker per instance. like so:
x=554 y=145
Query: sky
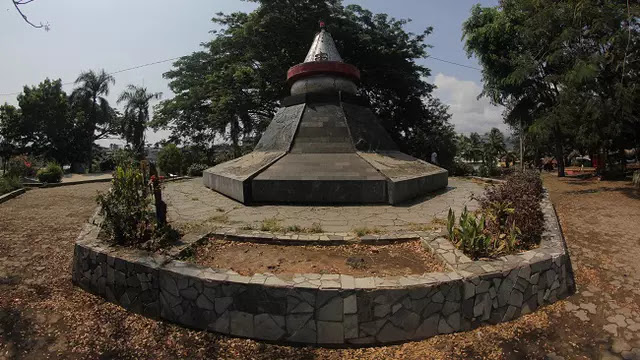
x=121 y=34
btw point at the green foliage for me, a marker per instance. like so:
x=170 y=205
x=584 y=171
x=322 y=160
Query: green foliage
x=9 y=183
x=221 y=90
x=197 y=169
x=136 y=116
x=170 y=159
x=21 y=166
x=469 y=235
x=510 y=219
x=52 y=173
x=126 y=207
x=562 y=71
x=461 y=168
x=92 y=112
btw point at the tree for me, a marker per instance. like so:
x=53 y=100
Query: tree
x=10 y=139
x=136 y=116
x=45 y=124
x=495 y=146
x=231 y=88
x=560 y=68
x=94 y=108
x=476 y=145
x=170 y=159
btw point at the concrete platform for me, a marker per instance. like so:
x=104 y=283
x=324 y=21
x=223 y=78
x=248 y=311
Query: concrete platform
x=192 y=205
x=320 y=178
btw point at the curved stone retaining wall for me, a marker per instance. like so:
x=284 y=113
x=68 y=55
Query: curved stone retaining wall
x=330 y=309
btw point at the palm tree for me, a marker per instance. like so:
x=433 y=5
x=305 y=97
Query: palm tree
x=91 y=87
x=495 y=145
x=136 y=115
x=464 y=147
x=476 y=145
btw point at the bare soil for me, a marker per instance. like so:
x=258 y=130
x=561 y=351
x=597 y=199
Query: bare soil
x=247 y=258
x=43 y=316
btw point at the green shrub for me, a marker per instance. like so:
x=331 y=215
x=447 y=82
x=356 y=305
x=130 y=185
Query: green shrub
x=126 y=207
x=488 y=169
x=510 y=218
x=9 y=183
x=170 y=159
x=196 y=169
x=52 y=173
x=460 y=168
x=21 y=166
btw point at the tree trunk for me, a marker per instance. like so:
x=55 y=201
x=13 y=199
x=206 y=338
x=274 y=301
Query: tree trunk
x=91 y=133
x=560 y=157
x=521 y=148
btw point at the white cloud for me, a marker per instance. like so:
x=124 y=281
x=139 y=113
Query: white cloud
x=469 y=114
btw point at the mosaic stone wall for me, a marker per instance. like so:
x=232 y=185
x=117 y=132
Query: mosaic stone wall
x=330 y=309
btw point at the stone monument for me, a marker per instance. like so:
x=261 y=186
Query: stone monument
x=325 y=145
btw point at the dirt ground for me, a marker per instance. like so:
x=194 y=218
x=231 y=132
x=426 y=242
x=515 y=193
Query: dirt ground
x=42 y=315
x=358 y=260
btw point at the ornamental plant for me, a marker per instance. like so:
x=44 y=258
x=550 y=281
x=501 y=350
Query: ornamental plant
x=126 y=207
x=523 y=191
x=128 y=217
x=170 y=159
x=52 y=173
x=510 y=219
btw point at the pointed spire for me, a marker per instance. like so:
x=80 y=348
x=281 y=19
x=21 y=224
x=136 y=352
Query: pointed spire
x=323 y=48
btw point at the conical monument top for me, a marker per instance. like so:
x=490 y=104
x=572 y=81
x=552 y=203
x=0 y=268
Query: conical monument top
x=323 y=48
x=323 y=59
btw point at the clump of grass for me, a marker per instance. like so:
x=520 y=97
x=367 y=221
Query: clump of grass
x=246 y=227
x=315 y=228
x=271 y=225
x=421 y=227
x=194 y=199
x=294 y=229
x=362 y=231
x=439 y=221
x=220 y=218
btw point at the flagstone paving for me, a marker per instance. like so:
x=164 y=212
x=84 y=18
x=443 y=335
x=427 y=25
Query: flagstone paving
x=42 y=315
x=189 y=203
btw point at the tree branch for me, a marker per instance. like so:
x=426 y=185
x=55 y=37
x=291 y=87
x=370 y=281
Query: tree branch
x=18 y=3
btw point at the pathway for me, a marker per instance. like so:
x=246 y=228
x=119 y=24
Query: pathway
x=43 y=316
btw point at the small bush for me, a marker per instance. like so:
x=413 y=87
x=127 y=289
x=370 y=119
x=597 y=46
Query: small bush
x=9 y=183
x=523 y=190
x=510 y=218
x=170 y=160
x=21 y=166
x=52 y=173
x=125 y=207
x=196 y=169
x=636 y=179
x=488 y=169
x=460 y=168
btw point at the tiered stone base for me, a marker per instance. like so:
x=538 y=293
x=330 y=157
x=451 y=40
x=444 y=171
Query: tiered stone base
x=330 y=308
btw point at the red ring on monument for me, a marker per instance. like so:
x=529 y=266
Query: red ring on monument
x=300 y=71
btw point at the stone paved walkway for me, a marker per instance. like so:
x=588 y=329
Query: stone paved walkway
x=43 y=316
x=189 y=202
x=601 y=221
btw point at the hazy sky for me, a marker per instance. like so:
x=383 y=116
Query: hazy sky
x=119 y=34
